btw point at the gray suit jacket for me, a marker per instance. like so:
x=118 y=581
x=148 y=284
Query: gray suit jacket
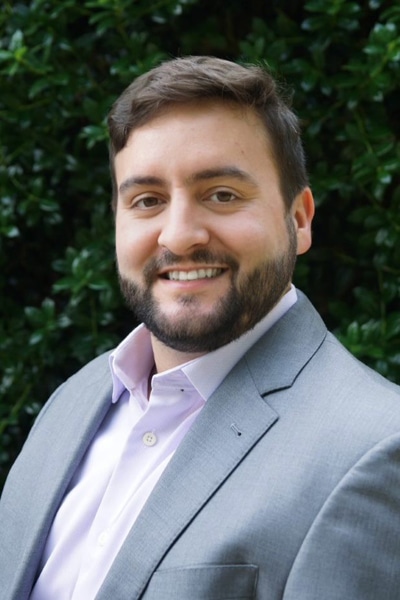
x=299 y=500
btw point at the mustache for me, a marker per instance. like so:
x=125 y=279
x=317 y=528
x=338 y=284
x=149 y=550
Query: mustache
x=200 y=256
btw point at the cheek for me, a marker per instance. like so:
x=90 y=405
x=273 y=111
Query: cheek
x=132 y=245
x=122 y=240
x=259 y=242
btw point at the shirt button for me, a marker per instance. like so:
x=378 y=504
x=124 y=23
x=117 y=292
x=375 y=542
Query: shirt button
x=149 y=439
x=102 y=539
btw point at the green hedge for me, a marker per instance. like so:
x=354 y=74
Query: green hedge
x=62 y=63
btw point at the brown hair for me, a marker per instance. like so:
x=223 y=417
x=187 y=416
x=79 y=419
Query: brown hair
x=192 y=78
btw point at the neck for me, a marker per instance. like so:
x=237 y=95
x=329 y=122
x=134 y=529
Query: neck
x=166 y=358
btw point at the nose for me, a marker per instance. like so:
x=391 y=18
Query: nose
x=184 y=226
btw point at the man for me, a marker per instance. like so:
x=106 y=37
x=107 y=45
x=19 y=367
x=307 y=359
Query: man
x=230 y=447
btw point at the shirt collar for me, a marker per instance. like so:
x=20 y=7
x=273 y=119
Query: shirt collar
x=204 y=373
x=131 y=362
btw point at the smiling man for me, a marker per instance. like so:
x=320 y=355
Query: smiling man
x=229 y=447
x=205 y=233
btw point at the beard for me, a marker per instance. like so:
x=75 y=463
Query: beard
x=249 y=299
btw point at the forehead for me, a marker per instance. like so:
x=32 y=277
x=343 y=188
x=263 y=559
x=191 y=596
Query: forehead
x=197 y=131
x=204 y=115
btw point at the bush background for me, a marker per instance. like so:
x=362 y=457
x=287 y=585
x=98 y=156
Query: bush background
x=62 y=64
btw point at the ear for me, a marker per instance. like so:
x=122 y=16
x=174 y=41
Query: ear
x=302 y=211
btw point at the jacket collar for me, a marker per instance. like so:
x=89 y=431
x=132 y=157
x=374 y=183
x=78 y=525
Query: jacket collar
x=279 y=356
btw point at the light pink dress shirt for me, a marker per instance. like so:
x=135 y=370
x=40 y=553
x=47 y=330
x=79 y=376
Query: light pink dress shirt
x=128 y=455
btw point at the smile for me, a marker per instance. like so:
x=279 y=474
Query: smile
x=193 y=275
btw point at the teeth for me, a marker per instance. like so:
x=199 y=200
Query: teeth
x=192 y=275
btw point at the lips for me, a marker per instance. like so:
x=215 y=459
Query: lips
x=194 y=274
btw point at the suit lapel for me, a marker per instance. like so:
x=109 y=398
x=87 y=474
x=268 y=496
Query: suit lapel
x=233 y=420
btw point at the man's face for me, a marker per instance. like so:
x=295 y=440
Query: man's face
x=204 y=245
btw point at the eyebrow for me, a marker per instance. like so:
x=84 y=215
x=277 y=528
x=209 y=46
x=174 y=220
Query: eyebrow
x=139 y=180
x=227 y=171
x=205 y=175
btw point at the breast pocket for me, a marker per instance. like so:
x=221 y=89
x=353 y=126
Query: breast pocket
x=204 y=582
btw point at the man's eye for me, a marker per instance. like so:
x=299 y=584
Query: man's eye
x=147 y=202
x=222 y=197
